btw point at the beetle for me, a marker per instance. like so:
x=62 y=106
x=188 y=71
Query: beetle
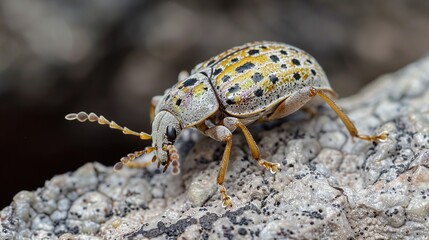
x=255 y=81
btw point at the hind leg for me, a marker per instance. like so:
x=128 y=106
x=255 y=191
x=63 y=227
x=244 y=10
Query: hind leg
x=302 y=96
x=346 y=120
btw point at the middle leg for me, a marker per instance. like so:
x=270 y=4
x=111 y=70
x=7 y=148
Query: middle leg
x=232 y=123
x=221 y=133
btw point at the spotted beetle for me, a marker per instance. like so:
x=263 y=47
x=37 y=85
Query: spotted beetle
x=255 y=81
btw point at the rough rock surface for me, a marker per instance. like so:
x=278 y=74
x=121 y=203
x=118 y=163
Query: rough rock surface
x=329 y=187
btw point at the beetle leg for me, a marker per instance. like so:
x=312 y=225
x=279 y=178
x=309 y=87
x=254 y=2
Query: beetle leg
x=302 y=96
x=221 y=133
x=346 y=120
x=233 y=123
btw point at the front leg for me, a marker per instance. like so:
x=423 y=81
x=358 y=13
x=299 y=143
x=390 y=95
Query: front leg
x=221 y=133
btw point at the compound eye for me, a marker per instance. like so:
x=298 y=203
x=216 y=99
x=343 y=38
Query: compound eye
x=171 y=133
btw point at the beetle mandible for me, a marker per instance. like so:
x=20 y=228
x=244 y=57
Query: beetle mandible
x=255 y=81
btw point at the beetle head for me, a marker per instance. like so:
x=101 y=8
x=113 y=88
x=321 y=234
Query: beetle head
x=165 y=129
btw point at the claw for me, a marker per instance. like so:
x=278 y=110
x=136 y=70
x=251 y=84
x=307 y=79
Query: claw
x=376 y=138
x=226 y=201
x=382 y=136
x=273 y=167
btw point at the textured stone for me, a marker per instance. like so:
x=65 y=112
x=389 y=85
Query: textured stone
x=329 y=185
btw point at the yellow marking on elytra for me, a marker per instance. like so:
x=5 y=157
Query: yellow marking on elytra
x=247 y=84
x=237 y=99
x=267 y=85
x=198 y=90
x=304 y=75
x=236 y=78
x=229 y=67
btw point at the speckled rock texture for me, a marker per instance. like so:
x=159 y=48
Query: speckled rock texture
x=329 y=186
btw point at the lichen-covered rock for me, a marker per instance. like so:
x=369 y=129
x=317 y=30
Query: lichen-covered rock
x=330 y=186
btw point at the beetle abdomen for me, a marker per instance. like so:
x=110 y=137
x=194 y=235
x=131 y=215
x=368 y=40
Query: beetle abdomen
x=256 y=76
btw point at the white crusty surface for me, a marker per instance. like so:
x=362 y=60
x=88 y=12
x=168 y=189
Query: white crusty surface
x=329 y=187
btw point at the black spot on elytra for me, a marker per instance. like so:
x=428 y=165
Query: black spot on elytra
x=168 y=97
x=178 y=102
x=257 y=77
x=244 y=67
x=253 y=52
x=296 y=62
x=189 y=82
x=313 y=72
x=283 y=52
x=297 y=76
x=234 y=88
x=274 y=58
x=274 y=79
x=230 y=101
x=294 y=49
x=283 y=66
x=234 y=60
x=258 y=92
x=309 y=61
x=211 y=62
x=264 y=47
x=225 y=78
x=217 y=71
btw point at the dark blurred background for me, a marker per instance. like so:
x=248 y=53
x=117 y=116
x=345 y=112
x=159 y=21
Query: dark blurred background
x=111 y=56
